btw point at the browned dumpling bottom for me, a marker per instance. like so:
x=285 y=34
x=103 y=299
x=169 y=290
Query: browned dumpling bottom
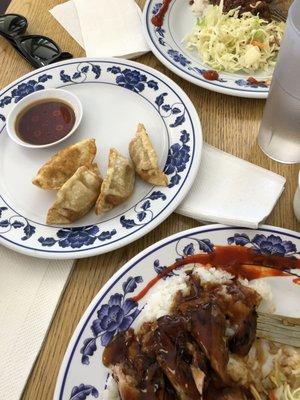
x=54 y=173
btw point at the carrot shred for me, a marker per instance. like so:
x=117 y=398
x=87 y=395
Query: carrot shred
x=258 y=44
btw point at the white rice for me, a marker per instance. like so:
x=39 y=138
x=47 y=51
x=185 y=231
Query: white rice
x=213 y=275
x=161 y=297
x=162 y=294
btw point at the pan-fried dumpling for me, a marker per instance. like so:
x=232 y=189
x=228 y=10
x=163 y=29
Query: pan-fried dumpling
x=145 y=160
x=65 y=163
x=118 y=183
x=76 y=197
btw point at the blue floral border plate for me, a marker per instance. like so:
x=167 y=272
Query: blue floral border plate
x=116 y=95
x=82 y=374
x=166 y=42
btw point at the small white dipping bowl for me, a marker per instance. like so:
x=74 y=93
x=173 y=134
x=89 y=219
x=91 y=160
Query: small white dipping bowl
x=55 y=94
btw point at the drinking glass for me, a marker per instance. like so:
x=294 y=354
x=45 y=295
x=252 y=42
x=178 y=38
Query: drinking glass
x=296 y=202
x=279 y=134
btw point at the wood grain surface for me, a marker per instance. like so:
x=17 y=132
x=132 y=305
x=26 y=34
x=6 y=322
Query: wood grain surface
x=229 y=123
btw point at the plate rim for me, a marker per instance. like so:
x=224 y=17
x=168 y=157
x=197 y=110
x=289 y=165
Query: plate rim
x=166 y=211
x=85 y=317
x=250 y=94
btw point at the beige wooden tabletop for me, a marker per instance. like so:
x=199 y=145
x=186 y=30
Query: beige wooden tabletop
x=229 y=123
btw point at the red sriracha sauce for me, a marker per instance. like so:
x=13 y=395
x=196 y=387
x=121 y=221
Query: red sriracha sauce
x=210 y=75
x=158 y=19
x=239 y=261
x=252 y=81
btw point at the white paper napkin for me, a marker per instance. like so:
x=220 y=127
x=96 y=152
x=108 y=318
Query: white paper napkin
x=30 y=290
x=66 y=14
x=231 y=191
x=104 y=28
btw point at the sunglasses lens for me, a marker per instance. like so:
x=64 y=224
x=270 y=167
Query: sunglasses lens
x=40 y=48
x=12 y=25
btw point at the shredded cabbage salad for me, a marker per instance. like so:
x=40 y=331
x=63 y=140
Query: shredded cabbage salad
x=232 y=43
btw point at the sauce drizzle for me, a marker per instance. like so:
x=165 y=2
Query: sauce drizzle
x=239 y=261
x=158 y=19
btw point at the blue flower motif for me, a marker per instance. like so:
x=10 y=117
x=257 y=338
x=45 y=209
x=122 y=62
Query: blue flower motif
x=115 y=316
x=24 y=89
x=132 y=80
x=269 y=245
x=2 y=118
x=273 y=245
x=177 y=158
x=77 y=237
x=178 y=57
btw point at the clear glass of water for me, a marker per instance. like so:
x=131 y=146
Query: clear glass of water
x=279 y=134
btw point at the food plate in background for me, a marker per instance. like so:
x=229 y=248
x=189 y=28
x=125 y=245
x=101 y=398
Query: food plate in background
x=82 y=371
x=116 y=95
x=166 y=43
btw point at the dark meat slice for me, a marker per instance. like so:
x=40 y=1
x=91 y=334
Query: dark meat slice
x=199 y=366
x=242 y=315
x=244 y=336
x=137 y=375
x=208 y=326
x=169 y=344
x=126 y=383
x=238 y=305
x=115 y=357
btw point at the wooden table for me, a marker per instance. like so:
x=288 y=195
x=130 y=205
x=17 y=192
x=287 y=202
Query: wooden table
x=229 y=123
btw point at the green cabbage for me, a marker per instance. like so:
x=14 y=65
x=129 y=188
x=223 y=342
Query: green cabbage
x=232 y=43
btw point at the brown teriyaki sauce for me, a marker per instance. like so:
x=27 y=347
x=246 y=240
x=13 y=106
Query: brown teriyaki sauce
x=45 y=121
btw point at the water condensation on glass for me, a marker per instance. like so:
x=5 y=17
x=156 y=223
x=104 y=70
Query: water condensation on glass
x=279 y=135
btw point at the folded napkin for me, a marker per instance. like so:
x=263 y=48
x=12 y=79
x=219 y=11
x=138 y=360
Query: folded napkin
x=104 y=28
x=66 y=14
x=231 y=191
x=30 y=291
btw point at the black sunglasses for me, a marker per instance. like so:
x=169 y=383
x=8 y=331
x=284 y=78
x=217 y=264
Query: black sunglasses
x=36 y=49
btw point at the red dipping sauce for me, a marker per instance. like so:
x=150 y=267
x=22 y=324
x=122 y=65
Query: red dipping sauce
x=45 y=122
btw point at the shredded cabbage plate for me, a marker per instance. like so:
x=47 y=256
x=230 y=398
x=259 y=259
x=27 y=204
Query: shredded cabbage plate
x=229 y=42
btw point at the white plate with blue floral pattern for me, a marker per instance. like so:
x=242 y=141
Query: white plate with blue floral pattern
x=166 y=42
x=82 y=374
x=116 y=95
